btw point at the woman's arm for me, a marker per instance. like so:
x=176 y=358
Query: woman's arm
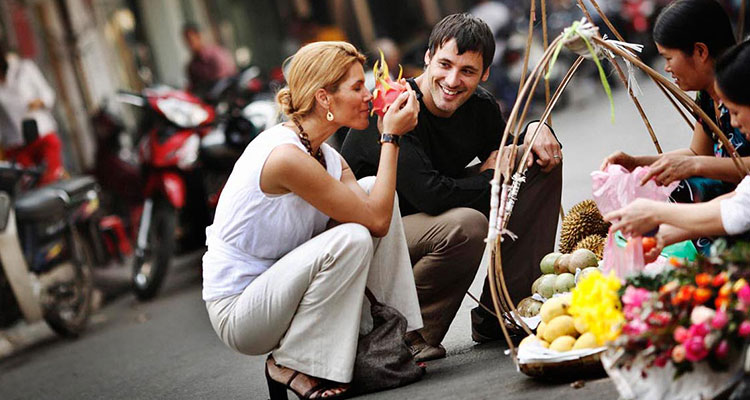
x=644 y=215
x=290 y=169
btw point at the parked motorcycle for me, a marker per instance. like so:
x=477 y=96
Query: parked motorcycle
x=187 y=150
x=46 y=268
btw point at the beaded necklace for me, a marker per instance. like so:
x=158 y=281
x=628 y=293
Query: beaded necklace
x=306 y=142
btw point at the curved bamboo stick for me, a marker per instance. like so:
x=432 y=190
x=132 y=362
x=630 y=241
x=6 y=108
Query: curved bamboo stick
x=620 y=38
x=621 y=74
x=529 y=38
x=545 y=43
x=548 y=110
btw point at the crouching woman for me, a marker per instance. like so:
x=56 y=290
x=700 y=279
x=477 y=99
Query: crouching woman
x=275 y=279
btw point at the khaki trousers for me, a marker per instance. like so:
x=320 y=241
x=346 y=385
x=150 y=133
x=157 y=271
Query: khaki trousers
x=445 y=251
x=308 y=308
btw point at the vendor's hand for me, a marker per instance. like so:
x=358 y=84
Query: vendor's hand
x=669 y=168
x=620 y=158
x=546 y=148
x=401 y=116
x=35 y=104
x=490 y=162
x=636 y=218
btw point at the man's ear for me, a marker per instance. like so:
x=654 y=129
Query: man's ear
x=322 y=98
x=486 y=74
x=700 y=50
x=427 y=57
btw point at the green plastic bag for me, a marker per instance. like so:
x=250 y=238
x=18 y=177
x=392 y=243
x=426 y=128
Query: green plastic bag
x=684 y=249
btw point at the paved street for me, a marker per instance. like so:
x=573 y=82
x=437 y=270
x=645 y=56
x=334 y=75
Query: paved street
x=166 y=349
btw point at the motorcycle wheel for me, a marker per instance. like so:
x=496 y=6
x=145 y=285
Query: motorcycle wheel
x=150 y=264
x=66 y=297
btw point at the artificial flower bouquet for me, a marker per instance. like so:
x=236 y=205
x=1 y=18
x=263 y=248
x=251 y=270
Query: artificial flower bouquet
x=689 y=322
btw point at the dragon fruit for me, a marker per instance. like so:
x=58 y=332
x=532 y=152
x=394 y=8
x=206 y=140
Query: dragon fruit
x=386 y=90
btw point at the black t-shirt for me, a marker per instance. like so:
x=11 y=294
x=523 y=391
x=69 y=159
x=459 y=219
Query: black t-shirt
x=432 y=174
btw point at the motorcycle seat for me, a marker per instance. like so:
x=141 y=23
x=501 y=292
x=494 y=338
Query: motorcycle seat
x=76 y=188
x=40 y=204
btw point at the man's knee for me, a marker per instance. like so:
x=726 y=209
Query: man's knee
x=467 y=226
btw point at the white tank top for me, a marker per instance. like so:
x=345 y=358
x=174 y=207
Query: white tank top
x=251 y=229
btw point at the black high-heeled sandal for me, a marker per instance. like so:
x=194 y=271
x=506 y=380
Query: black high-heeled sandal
x=277 y=390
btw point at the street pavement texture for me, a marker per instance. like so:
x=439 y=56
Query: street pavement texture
x=166 y=349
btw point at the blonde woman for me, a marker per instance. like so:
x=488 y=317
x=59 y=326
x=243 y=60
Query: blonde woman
x=274 y=278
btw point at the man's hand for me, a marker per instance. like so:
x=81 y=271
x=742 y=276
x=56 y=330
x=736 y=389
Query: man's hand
x=620 y=158
x=546 y=147
x=489 y=163
x=671 y=167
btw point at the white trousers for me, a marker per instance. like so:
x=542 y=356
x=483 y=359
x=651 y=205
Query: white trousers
x=308 y=308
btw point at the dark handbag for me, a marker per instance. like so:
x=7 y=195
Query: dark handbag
x=383 y=359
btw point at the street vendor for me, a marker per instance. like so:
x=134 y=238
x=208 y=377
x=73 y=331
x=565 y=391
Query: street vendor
x=691 y=35
x=445 y=204
x=728 y=214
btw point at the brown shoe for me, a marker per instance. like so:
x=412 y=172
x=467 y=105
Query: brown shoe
x=421 y=350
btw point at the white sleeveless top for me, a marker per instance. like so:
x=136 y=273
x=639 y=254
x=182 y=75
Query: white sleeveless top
x=251 y=229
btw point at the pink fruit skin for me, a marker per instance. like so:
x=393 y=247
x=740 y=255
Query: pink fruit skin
x=386 y=97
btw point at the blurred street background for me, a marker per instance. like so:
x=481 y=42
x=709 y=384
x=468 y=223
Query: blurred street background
x=88 y=50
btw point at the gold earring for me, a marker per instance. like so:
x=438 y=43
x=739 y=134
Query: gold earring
x=329 y=116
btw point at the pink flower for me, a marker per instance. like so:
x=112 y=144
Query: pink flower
x=744 y=330
x=678 y=353
x=662 y=359
x=744 y=294
x=635 y=327
x=680 y=334
x=701 y=314
x=722 y=349
x=631 y=312
x=719 y=320
x=698 y=330
x=635 y=296
x=695 y=349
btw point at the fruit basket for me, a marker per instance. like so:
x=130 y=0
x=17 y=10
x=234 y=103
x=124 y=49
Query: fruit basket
x=538 y=362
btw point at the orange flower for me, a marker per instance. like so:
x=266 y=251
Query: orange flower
x=721 y=302
x=669 y=287
x=703 y=279
x=701 y=295
x=683 y=295
x=676 y=262
x=720 y=279
x=725 y=290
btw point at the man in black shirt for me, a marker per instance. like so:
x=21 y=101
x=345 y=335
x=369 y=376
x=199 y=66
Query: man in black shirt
x=444 y=203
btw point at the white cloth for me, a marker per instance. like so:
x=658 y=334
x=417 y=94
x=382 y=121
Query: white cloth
x=23 y=84
x=308 y=307
x=252 y=230
x=735 y=211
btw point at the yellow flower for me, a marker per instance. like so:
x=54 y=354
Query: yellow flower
x=596 y=303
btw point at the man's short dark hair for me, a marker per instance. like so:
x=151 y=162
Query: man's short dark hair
x=471 y=34
x=190 y=27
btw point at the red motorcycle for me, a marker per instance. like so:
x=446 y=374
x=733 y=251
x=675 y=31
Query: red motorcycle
x=173 y=125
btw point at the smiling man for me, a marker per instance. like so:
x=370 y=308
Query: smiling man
x=444 y=203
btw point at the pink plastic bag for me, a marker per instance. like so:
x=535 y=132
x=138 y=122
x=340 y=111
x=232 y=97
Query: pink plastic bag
x=617 y=187
x=613 y=189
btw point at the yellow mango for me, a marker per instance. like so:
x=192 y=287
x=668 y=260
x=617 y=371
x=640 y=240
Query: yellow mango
x=540 y=329
x=562 y=343
x=562 y=325
x=581 y=326
x=586 y=341
x=554 y=307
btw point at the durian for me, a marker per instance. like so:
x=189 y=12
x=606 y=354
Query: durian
x=582 y=220
x=594 y=243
